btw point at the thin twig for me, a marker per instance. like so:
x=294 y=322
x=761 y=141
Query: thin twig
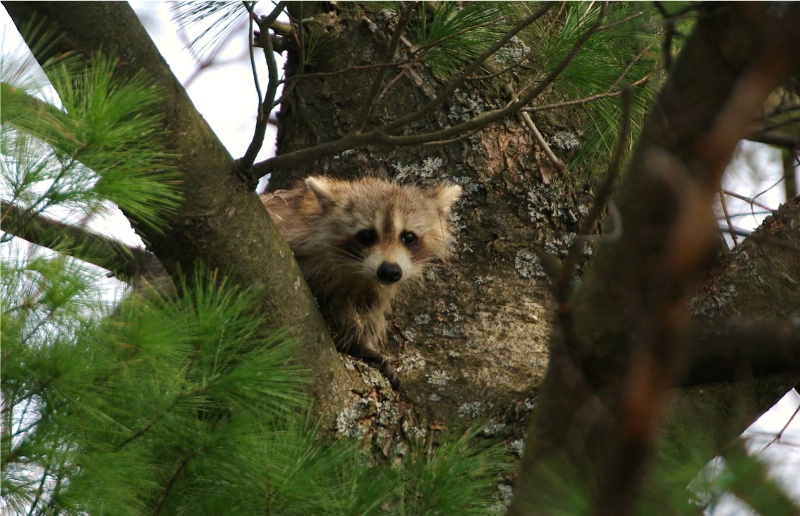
x=464 y=136
x=267 y=21
x=762 y=192
x=776 y=242
x=162 y=498
x=585 y=100
x=266 y=104
x=630 y=66
x=251 y=37
x=350 y=69
x=727 y=217
x=752 y=202
x=456 y=34
x=405 y=71
x=527 y=56
x=288 y=86
x=542 y=143
x=457 y=82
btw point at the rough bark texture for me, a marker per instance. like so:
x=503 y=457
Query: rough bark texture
x=220 y=223
x=760 y=279
x=474 y=338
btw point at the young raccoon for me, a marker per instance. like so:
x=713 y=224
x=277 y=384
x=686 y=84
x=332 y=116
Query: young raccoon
x=357 y=242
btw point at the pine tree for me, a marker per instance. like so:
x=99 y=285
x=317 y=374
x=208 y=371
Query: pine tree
x=193 y=390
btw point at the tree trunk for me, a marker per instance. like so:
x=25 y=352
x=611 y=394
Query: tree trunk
x=475 y=335
x=221 y=222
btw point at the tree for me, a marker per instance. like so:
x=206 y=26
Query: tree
x=483 y=340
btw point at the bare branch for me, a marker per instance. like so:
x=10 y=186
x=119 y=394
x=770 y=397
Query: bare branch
x=763 y=239
x=379 y=136
x=736 y=351
x=787 y=141
x=124 y=262
x=585 y=100
x=457 y=82
x=295 y=78
x=752 y=202
x=268 y=21
x=245 y=163
x=727 y=217
x=526 y=118
x=529 y=55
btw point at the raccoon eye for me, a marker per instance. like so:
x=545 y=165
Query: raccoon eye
x=408 y=238
x=366 y=237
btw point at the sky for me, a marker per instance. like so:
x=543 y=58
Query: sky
x=224 y=94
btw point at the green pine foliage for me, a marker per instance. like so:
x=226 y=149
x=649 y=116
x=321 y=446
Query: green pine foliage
x=214 y=22
x=97 y=142
x=121 y=413
x=181 y=406
x=624 y=53
x=453 y=34
x=459 y=476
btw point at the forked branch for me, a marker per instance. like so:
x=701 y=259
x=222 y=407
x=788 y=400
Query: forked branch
x=381 y=135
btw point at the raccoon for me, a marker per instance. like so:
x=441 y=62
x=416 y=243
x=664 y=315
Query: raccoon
x=357 y=243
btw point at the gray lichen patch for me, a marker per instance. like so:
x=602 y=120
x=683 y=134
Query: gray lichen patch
x=438 y=377
x=426 y=170
x=493 y=427
x=528 y=265
x=565 y=140
x=471 y=409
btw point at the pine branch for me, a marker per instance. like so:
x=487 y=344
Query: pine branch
x=124 y=262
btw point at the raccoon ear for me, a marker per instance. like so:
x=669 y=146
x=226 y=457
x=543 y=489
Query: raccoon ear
x=320 y=187
x=445 y=195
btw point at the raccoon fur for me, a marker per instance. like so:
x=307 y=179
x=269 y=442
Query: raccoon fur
x=357 y=243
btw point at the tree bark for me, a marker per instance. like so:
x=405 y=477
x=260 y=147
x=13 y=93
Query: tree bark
x=622 y=346
x=475 y=335
x=221 y=223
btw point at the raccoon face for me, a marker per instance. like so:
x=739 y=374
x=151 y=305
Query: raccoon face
x=389 y=233
x=388 y=255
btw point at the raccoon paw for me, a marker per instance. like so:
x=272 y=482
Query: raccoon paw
x=388 y=371
x=382 y=362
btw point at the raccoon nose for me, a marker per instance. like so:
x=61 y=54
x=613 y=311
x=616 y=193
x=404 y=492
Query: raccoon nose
x=389 y=272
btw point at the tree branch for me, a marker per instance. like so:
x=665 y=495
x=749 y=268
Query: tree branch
x=379 y=136
x=245 y=163
x=736 y=351
x=787 y=141
x=124 y=262
x=221 y=224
